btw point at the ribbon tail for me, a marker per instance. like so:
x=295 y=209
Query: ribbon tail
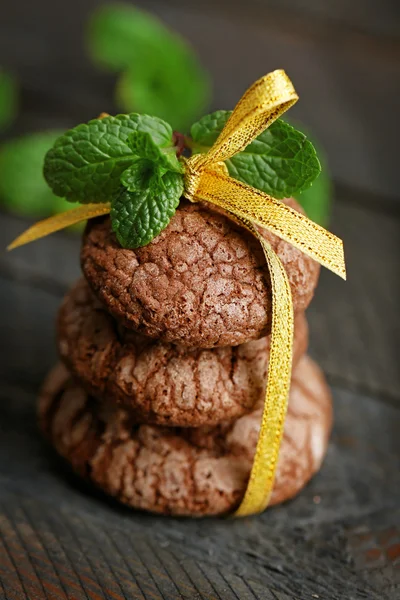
x=57 y=222
x=262 y=476
x=261 y=209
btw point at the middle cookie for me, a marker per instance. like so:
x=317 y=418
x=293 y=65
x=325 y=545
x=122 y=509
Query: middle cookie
x=162 y=383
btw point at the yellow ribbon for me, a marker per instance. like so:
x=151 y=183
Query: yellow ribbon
x=58 y=222
x=207 y=179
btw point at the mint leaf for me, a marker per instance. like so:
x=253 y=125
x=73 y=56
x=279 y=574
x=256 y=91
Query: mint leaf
x=86 y=163
x=138 y=217
x=137 y=177
x=162 y=74
x=206 y=131
x=152 y=162
x=23 y=189
x=8 y=99
x=280 y=162
x=143 y=146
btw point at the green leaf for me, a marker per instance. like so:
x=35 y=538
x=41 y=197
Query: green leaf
x=137 y=176
x=8 y=99
x=162 y=74
x=143 y=146
x=206 y=131
x=86 y=163
x=280 y=162
x=138 y=217
x=152 y=164
x=23 y=188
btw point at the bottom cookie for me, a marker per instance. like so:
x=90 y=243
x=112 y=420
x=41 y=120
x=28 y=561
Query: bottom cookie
x=194 y=472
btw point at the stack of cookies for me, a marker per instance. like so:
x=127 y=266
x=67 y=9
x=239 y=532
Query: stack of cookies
x=164 y=351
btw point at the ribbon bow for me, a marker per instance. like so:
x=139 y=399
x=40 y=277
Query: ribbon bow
x=207 y=179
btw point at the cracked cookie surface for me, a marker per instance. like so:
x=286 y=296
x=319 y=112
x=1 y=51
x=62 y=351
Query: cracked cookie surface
x=202 y=282
x=161 y=383
x=177 y=471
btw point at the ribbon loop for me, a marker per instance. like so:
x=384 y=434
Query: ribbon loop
x=265 y=101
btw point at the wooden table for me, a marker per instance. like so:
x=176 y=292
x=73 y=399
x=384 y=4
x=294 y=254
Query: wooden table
x=340 y=538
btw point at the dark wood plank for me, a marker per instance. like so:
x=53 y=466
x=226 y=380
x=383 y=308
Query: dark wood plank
x=50 y=264
x=310 y=545
x=27 y=333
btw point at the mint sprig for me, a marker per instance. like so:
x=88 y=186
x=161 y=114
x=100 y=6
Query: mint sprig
x=86 y=163
x=127 y=160
x=137 y=176
x=280 y=162
x=154 y=185
x=151 y=164
x=131 y=162
x=165 y=158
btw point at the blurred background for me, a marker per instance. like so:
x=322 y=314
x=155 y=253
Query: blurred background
x=342 y=55
x=62 y=63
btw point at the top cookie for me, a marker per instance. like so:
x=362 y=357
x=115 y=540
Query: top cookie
x=202 y=282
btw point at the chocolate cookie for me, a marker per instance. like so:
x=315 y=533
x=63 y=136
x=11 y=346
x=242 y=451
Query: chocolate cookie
x=193 y=472
x=202 y=282
x=162 y=383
